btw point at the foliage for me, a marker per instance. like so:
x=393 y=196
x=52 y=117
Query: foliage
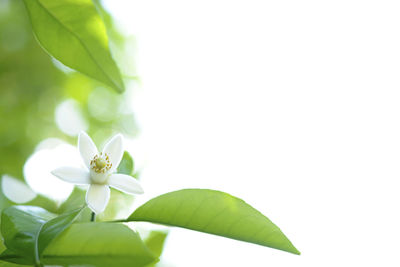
x=73 y=32
x=28 y=230
x=155 y=242
x=213 y=212
x=33 y=85
x=78 y=34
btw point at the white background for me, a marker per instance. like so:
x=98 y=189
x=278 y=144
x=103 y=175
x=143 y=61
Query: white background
x=291 y=105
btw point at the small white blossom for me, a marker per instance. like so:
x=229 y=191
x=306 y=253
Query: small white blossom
x=99 y=174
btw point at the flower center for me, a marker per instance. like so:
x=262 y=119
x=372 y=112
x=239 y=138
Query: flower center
x=100 y=163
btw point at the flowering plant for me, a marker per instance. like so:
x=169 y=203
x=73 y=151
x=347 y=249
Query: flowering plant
x=39 y=231
x=99 y=174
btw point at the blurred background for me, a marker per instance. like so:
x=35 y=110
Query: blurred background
x=291 y=106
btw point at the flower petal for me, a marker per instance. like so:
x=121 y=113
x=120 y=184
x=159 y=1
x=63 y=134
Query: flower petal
x=114 y=149
x=15 y=190
x=125 y=183
x=72 y=175
x=87 y=148
x=97 y=197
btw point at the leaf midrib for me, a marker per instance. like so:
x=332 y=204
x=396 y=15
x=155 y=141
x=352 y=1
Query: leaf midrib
x=81 y=42
x=36 y=247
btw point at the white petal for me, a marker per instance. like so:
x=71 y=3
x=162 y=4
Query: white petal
x=72 y=175
x=87 y=148
x=97 y=197
x=125 y=183
x=15 y=190
x=114 y=149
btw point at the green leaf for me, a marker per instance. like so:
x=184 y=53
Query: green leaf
x=9 y=264
x=119 y=206
x=213 y=212
x=43 y=202
x=72 y=31
x=4 y=263
x=12 y=257
x=98 y=244
x=28 y=230
x=54 y=227
x=76 y=199
x=20 y=227
x=94 y=244
x=127 y=165
x=155 y=242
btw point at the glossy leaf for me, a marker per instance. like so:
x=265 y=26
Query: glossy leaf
x=5 y=263
x=73 y=32
x=20 y=226
x=54 y=227
x=12 y=257
x=213 y=212
x=98 y=244
x=28 y=230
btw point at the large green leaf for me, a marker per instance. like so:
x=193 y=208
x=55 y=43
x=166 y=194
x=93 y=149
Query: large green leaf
x=213 y=212
x=73 y=32
x=98 y=244
x=28 y=230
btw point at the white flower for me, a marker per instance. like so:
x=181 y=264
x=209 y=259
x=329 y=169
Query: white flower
x=99 y=174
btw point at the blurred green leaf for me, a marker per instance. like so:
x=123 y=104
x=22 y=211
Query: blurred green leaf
x=119 y=206
x=155 y=242
x=76 y=199
x=43 y=202
x=28 y=230
x=38 y=200
x=213 y=212
x=98 y=244
x=73 y=32
x=127 y=164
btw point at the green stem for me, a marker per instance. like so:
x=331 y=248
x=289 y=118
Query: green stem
x=93 y=217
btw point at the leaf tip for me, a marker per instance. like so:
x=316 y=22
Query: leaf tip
x=296 y=251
